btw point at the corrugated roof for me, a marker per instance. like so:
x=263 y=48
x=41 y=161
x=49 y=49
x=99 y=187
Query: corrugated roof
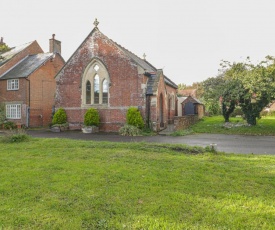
x=27 y=66
x=6 y=56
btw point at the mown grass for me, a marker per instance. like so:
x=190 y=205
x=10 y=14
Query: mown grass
x=265 y=126
x=69 y=184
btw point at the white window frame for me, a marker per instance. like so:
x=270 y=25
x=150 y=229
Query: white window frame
x=13 y=111
x=13 y=84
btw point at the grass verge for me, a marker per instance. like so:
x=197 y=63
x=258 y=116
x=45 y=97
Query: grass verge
x=69 y=184
x=265 y=126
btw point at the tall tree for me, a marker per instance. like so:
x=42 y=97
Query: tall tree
x=255 y=85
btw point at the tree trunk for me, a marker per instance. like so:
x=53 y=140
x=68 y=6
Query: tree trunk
x=226 y=111
x=251 y=119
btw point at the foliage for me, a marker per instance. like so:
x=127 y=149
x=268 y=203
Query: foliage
x=75 y=184
x=212 y=107
x=134 y=118
x=4 y=48
x=2 y=113
x=91 y=117
x=182 y=86
x=237 y=112
x=15 y=136
x=60 y=117
x=129 y=130
x=9 y=125
x=255 y=85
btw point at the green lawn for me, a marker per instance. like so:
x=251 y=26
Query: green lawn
x=265 y=126
x=69 y=184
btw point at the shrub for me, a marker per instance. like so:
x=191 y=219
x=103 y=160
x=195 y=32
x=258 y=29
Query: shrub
x=91 y=117
x=10 y=125
x=134 y=118
x=212 y=107
x=129 y=130
x=16 y=136
x=60 y=117
x=2 y=113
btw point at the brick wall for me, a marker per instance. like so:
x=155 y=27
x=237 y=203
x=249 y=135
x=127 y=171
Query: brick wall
x=124 y=91
x=184 y=122
x=20 y=96
x=43 y=87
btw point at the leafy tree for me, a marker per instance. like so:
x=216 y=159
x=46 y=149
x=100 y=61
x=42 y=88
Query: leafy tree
x=4 y=48
x=181 y=86
x=254 y=86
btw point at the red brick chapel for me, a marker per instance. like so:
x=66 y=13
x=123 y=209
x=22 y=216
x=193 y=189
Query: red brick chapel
x=104 y=75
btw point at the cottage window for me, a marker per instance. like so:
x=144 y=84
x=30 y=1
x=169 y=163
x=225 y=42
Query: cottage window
x=13 y=84
x=95 y=84
x=13 y=111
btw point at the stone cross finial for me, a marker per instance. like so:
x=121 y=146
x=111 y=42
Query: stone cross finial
x=144 y=56
x=96 y=23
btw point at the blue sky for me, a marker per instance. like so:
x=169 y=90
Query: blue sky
x=187 y=39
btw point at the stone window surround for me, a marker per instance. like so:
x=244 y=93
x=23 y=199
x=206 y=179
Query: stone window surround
x=89 y=74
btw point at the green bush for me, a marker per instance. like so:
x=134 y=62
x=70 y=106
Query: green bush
x=91 y=117
x=2 y=113
x=10 y=125
x=134 y=118
x=60 y=117
x=16 y=136
x=129 y=130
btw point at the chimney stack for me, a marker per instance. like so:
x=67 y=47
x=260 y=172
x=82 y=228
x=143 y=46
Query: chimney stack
x=55 y=45
x=2 y=41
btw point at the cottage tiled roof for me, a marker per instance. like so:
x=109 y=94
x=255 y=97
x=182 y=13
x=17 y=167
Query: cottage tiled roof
x=6 y=56
x=27 y=66
x=189 y=98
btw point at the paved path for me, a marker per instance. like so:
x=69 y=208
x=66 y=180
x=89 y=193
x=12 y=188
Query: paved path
x=225 y=143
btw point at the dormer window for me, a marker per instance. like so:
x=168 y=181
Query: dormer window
x=13 y=84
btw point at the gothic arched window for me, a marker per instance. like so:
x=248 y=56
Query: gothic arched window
x=95 y=84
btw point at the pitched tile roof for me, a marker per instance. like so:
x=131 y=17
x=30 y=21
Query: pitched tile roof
x=6 y=56
x=26 y=66
x=148 y=67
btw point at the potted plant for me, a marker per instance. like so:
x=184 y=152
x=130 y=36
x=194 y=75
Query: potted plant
x=59 y=122
x=91 y=121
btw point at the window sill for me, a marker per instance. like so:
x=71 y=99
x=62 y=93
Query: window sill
x=98 y=106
